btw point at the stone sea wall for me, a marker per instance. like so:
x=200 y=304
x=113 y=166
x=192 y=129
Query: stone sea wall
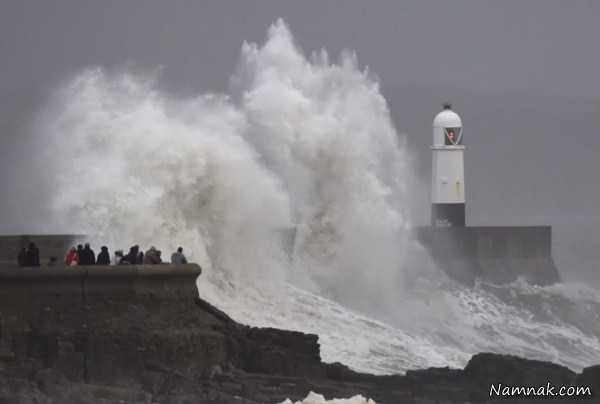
x=492 y=253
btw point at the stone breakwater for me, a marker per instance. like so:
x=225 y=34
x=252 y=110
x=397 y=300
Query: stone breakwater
x=141 y=334
x=498 y=254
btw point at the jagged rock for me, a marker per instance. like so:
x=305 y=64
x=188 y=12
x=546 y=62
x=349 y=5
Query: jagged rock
x=488 y=367
x=590 y=377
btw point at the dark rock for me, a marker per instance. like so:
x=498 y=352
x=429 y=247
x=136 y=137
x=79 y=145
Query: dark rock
x=487 y=368
x=590 y=377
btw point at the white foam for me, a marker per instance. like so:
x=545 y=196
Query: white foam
x=314 y=398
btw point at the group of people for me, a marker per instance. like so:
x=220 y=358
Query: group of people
x=85 y=255
x=134 y=257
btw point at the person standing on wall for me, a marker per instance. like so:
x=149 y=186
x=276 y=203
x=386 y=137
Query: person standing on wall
x=72 y=259
x=177 y=258
x=103 y=256
x=87 y=256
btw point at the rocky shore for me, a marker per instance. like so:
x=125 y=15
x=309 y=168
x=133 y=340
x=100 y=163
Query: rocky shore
x=142 y=335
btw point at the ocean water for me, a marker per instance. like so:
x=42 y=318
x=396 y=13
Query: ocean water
x=438 y=327
x=298 y=141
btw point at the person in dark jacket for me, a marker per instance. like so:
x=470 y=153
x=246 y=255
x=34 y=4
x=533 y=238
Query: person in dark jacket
x=83 y=256
x=132 y=255
x=103 y=256
x=22 y=257
x=87 y=257
x=79 y=253
x=33 y=256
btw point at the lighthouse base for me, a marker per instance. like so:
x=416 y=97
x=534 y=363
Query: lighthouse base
x=493 y=254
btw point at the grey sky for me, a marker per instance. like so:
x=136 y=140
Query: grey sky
x=523 y=74
x=546 y=46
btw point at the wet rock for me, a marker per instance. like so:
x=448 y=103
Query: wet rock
x=487 y=368
x=590 y=377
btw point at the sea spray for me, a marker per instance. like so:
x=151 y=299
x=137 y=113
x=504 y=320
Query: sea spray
x=325 y=131
x=301 y=143
x=145 y=168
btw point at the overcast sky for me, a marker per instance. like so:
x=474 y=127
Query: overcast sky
x=545 y=46
x=524 y=74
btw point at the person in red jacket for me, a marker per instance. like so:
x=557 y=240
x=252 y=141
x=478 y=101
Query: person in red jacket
x=72 y=257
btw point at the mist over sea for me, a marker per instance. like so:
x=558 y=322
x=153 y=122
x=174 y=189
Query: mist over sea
x=302 y=141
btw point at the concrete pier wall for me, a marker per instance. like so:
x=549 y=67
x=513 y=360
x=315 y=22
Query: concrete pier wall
x=84 y=284
x=496 y=254
x=102 y=324
x=493 y=253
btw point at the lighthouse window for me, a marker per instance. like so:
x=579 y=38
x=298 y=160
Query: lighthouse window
x=453 y=136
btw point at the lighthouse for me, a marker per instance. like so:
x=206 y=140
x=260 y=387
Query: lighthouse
x=448 y=172
x=498 y=254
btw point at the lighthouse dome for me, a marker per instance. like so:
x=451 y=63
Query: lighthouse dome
x=447 y=118
x=447 y=128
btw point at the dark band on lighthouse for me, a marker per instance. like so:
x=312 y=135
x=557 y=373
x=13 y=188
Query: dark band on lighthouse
x=448 y=214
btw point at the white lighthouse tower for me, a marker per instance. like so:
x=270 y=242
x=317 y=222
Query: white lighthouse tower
x=448 y=174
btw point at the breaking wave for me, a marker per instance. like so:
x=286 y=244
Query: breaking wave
x=299 y=143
